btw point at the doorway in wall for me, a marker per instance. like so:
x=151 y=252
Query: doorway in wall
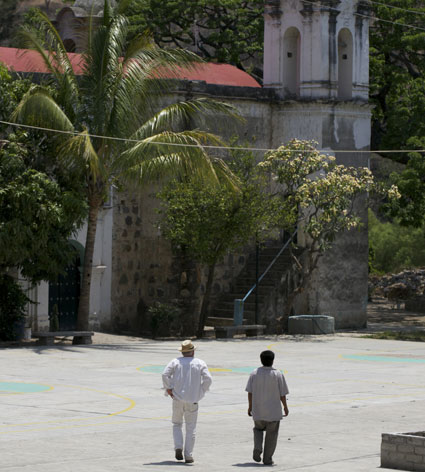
x=64 y=293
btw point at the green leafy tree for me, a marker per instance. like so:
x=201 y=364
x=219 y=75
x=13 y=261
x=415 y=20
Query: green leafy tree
x=206 y=222
x=397 y=74
x=37 y=217
x=116 y=97
x=395 y=247
x=317 y=197
x=12 y=307
x=228 y=31
x=409 y=209
x=39 y=207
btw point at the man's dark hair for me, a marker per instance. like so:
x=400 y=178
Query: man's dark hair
x=267 y=358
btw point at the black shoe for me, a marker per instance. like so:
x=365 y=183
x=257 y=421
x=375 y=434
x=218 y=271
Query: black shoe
x=179 y=454
x=189 y=460
x=256 y=455
x=268 y=463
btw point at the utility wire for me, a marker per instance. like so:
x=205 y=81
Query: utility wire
x=415 y=12
x=231 y=148
x=369 y=17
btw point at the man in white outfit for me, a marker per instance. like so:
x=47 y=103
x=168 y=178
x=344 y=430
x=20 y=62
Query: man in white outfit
x=186 y=379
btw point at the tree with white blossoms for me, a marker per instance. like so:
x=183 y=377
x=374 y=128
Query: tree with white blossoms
x=318 y=197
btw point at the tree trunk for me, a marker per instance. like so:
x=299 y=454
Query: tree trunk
x=84 y=303
x=306 y=274
x=205 y=302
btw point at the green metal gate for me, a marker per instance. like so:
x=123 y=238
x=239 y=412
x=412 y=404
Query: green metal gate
x=65 y=294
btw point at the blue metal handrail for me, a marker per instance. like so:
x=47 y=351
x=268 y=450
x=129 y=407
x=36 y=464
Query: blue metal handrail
x=238 y=303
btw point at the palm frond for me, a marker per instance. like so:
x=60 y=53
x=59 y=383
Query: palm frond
x=38 y=108
x=79 y=152
x=183 y=113
x=174 y=154
x=45 y=40
x=225 y=175
x=147 y=68
x=104 y=71
x=178 y=153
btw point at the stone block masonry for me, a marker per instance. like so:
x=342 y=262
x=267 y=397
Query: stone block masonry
x=403 y=451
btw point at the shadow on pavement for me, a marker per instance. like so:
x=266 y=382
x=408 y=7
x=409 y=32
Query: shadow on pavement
x=248 y=464
x=165 y=463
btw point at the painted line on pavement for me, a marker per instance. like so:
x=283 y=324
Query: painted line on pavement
x=379 y=358
x=69 y=420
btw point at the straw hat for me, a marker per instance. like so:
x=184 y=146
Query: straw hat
x=187 y=346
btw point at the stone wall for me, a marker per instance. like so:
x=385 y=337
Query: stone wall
x=405 y=451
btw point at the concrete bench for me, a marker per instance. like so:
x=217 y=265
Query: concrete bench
x=230 y=331
x=47 y=338
x=311 y=324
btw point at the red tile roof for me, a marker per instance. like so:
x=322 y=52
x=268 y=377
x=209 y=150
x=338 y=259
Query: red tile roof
x=20 y=60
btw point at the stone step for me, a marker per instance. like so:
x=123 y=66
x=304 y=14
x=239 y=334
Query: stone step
x=250 y=281
x=268 y=258
x=275 y=270
x=248 y=305
x=231 y=297
x=223 y=313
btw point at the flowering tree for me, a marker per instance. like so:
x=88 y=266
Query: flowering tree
x=318 y=197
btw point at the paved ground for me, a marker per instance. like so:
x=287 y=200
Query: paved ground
x=101 y=408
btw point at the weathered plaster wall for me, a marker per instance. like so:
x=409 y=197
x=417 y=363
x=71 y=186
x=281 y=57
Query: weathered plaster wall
x=100 y=294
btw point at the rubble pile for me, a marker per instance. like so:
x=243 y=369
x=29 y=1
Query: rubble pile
x=407 y=284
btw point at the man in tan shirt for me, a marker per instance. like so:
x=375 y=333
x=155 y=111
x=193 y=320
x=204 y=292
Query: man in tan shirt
x=267 y=392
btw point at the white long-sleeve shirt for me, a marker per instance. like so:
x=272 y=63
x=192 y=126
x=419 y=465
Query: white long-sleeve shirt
x=188 y=377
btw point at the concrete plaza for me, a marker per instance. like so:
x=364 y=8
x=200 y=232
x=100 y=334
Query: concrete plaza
x=101 y=408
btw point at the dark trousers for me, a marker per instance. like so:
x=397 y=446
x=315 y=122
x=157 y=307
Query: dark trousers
x=272 y=431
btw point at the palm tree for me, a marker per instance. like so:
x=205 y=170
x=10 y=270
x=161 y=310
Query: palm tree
x=117 y=97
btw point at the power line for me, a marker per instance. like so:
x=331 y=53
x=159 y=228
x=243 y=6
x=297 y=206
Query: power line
x=416 y=12
x=228 y=148
x=369 y=17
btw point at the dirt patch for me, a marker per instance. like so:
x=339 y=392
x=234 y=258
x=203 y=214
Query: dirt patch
x=383 y=315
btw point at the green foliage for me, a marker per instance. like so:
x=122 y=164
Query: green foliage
x=12 y=307
x=40 y=206
x=397 y=74
x=395 y=247
x=165 y=319
x=207 y=221
x=228 y=31
x=37 y=218
x=409 y=209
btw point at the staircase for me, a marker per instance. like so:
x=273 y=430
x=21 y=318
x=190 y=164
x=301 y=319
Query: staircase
x=222 y=310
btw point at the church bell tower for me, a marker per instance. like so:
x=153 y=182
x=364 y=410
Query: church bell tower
x=317 y=49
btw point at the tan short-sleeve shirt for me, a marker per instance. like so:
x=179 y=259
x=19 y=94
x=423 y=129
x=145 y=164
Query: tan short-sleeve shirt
x=267 y=385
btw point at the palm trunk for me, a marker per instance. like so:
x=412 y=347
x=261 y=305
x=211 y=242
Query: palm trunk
x=205 y=302
x=84 y=302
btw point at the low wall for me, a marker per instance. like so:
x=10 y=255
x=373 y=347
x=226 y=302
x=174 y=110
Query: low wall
x=404 y=451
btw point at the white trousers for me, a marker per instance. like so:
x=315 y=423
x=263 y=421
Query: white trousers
x=189 y=413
